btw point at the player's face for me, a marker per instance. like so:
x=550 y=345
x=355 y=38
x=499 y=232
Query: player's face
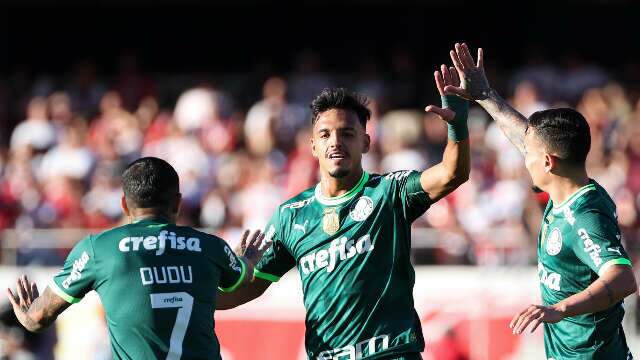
x=537 y=161
x=338 y=141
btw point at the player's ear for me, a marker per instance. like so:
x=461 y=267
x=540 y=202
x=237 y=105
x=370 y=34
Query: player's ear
x=313 y=147
x=550 y=162
x=367 y=143
x=123 y=205
x=177 y=204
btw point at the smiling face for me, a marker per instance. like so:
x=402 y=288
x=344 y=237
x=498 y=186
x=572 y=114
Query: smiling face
x=338 y=141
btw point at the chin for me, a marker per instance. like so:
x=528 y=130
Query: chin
x=339 y=173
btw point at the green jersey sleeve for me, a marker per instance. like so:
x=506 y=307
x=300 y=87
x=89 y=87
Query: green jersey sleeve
x=233 y=269
x=277 y=260
x=598 y=242
x=79 y=273
x=413 y=199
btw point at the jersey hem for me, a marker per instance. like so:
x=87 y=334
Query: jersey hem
x=265 y=276
x=66 y=297
x=608 y=264
x=243 y=275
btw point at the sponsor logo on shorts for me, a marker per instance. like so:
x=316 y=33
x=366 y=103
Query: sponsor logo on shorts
x=352 y=352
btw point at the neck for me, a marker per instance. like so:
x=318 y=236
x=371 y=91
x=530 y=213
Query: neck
x=332 y=187
x=561 y=188
x=150 y=213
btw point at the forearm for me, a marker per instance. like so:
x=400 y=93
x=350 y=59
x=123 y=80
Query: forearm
x=512 y=123
x=456 y=161
x=36 y=318
x=242 y=295
x=600 y=295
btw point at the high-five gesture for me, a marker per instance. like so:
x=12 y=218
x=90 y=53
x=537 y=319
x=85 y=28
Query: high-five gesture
x=445 y=77
x=474 y=84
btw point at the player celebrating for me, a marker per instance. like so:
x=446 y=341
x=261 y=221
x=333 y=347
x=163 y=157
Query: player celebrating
x=584 y=271
x=350 y=236
x=157 y=281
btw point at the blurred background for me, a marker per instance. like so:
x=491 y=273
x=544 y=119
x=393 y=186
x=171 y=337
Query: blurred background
x=222 y=92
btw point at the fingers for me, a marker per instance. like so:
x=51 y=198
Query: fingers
x=439 y=82
x=480 y=58
x=445 y=74
x=456 y=61
x=446 y=114
x=21 y=289
x=514 y=321
x=13 y=298
x=34 y=291
x=455 y=79
x=536 y=323
x=450 y=89
x=527 y=319
x=245 y=235
x=465 y=56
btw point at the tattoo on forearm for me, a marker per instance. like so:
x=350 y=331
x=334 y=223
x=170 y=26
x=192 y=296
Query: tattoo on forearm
x=609 y=292
x=512 y=123
x=46 y=308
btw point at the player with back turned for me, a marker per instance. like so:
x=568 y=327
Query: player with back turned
x=350 y=235
x=157 y=281
x=584 y=270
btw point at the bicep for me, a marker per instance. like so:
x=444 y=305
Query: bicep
x=620 y=278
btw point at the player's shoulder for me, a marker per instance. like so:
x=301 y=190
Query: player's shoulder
x=393 y=176
x=299 y=201
x=594 y=205
x=593 y=199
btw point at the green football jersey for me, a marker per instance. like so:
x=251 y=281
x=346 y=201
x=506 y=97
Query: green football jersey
x=158 y=284
x=353 y=256
x=579 y=240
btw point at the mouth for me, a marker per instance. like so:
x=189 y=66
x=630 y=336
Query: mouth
x=337 y=156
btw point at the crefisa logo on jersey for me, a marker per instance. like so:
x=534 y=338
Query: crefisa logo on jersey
x=160 y=243
x=361 y=209
x=76 y=272
x=554 y=243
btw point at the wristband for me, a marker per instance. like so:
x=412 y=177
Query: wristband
x=457 y=128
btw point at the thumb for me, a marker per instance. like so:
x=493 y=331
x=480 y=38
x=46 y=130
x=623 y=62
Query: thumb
x=446 y=114
x=450 y=89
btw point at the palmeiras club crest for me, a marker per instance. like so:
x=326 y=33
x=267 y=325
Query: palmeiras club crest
x=361 y=209
x=330 y=221
x=554 y=242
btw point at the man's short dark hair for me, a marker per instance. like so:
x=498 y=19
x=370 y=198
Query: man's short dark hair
x=150 y=182
x=340 y=98
x=564 y=132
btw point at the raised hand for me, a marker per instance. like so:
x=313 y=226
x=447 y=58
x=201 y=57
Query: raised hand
x=474 y=84
x=26 y=294
x=445 y=77
x=252 y=246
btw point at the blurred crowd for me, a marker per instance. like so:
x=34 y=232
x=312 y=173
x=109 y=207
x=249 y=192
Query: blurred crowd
x=241 y=147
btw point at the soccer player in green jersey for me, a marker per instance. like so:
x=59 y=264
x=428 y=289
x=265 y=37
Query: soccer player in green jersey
x=584 y=270
x=350 y=235
x=157 y=281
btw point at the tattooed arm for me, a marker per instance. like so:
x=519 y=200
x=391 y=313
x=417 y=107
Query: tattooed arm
x=35 y=312
x=612 y=287
x=475 y=86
